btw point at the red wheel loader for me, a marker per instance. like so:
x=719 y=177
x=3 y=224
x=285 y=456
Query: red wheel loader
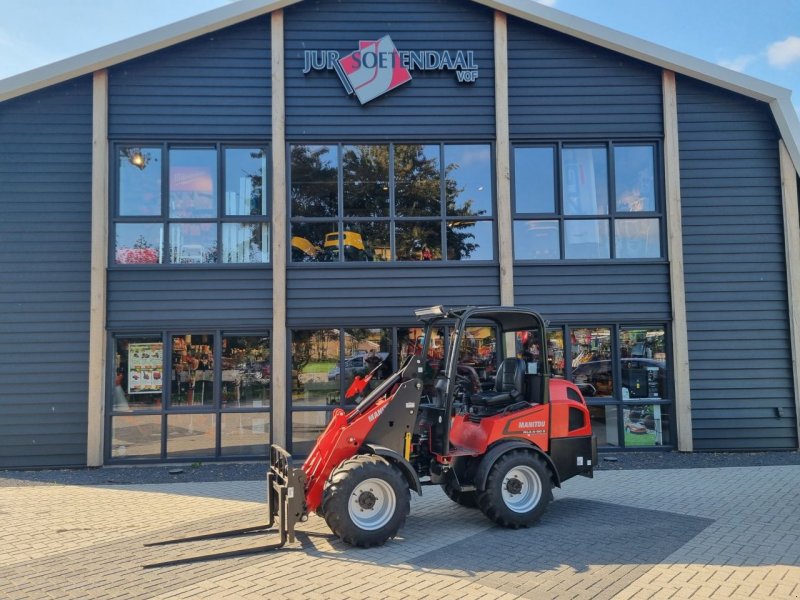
x=500 y=450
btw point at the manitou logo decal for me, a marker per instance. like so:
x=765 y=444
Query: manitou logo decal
x=376 y=414
x=378 y=66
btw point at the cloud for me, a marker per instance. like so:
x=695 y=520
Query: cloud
x=740 y=63
x=547 y=2
x=784 y=53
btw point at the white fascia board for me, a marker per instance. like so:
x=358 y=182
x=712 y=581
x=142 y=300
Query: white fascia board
x=779 y=98
x=786 y=118
x=138 y=45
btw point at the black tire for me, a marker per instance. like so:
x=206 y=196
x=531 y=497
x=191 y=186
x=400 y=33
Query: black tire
x=533 y=485
x=344 y=500
x=467 y=499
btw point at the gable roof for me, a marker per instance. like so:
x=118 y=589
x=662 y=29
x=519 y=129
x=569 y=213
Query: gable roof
x=778 y=98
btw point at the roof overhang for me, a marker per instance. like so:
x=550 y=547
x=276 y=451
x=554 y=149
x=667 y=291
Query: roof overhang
x=778 y=98
x=136 y=46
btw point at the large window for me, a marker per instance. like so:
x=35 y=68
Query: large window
x=191 y=205
x=586 y=201
x=190 y=394
x=391 y=202
x=621 y=371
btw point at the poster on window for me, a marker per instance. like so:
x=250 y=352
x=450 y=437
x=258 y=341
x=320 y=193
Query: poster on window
x=144 y=368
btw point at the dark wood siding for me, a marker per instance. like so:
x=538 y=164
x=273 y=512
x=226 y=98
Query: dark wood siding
x=432 y=106
x=213 y=87
x=383 y=295
x=735 y=273
x=596 y=293
x=170 y=298
x=560 y=87
x=45 y=244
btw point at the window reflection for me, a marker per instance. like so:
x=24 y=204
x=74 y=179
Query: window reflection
x=534 y=180
x=368 y=354
x=637 y=238
x=477 y=357
x=645 y=425
x=418 y=240
x=138 y=243
x=468 y=180
x=604 y=424
x=139 y=181
x=417 y=180
x=591 y=360
x=536 y=240
x=191 y=435
x=244 y=434
x=244 y=181
x=370 y=223
x=138 y=374
x=314 y=242
x=136 y=436
x=315 y=364
x=192 y=370
x=634 y=176
x=314 y=181
x=366 y=181
x=246 y=371
x=584 y=173
x=366 y=241
x=470 y=240
x=245 y=242
x=192 y=183
x=411 y=341
x=586 y=239
x=193 y=243
x=643 y=361
x=529 y=348
x=307 y=425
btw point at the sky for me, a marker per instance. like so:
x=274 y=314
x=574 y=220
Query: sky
x=761 y=39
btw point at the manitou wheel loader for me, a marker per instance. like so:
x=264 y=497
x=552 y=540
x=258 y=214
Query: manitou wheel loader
x=501 y=449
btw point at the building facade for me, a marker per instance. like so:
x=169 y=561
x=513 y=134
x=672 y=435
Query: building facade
x=211 y=229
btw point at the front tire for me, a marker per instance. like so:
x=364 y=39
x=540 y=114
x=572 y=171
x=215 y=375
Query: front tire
x=366 y=501
x=518 y=490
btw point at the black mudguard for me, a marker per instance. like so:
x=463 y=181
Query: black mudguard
x=396 y=459
x=496 y=451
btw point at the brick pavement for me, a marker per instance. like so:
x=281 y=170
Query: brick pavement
x=703 y=533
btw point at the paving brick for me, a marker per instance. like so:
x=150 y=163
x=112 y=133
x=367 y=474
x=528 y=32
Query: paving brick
x=624 y=535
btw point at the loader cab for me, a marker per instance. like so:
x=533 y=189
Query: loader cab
x=517 y=380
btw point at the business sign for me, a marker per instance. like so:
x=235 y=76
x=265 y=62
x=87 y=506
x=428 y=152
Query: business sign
x=378 y=66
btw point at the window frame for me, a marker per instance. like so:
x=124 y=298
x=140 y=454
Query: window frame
x=167 y=408
x=392 y=218
x=611 y=217
x=616 y=399
x=166 y=221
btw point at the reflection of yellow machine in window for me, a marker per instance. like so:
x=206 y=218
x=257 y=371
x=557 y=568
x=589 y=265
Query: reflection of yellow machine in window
x=352 y=243
x=303 y=250
x=354 y=250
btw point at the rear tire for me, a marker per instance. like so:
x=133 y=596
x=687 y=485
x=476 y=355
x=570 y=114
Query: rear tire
x=366 y=501
x=518 y=490
x=467 y=499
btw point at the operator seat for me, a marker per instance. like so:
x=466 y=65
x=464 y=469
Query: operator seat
x=508 y=386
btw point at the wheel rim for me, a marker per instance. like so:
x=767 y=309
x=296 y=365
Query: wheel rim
x=522 y=489
x=372 y=504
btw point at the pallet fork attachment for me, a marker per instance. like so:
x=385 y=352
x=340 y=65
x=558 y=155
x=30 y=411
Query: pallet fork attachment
x=285 y=504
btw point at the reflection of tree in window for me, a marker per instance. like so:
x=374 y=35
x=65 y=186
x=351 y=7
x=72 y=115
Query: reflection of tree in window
x=418 y=240
x=417 y=180
x=366 y=181
x=314 y=181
